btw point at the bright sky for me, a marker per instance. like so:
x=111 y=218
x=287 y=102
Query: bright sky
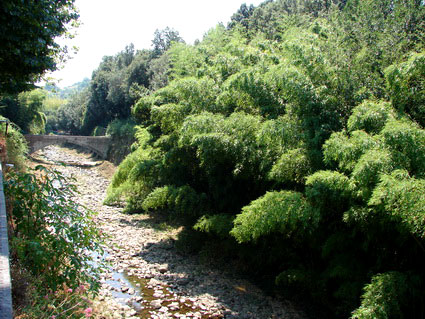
x=109 y=25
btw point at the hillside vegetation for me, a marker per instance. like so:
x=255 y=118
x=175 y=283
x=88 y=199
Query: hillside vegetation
x=290 y=144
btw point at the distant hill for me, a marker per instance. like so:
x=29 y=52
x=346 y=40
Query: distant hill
x=66 y=92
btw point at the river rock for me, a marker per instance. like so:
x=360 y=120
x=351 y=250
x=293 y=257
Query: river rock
x=163 y=269
x=156 y=303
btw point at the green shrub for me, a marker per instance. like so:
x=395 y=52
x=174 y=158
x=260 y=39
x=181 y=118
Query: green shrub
x=53 y=236
x=220 y=224
x=122 y=133
x=16 y=145
x=169 y=116
x=285 y=212
x=141 y=110
x=65 y=302
x=198 y=94
x=229 y=143
x=406 y=142
x=292 y=166
x=346 y=150
x=120 y=129
x=406 y=86
x=277 y=136
x=247 y=91
x=119 y=184
x=183 y=201
x=328 y=190
x=157 y=199
x=403 y=198
x=368 y=169
x=135 y=194
x=387 y=296
x=370 y=116
x=122 y=187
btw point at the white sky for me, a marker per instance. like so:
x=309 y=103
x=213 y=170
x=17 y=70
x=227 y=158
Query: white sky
x=109 y=25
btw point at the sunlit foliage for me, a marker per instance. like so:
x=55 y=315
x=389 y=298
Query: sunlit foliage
x=29 y=46
x=26 y=110
x=293 y=140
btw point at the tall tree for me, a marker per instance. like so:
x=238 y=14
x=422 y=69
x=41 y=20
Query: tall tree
x=25 y=110
x=28 y=30
x=163 y=39
x=241 y=16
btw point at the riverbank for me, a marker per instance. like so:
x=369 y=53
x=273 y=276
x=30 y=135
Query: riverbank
x=148 y=278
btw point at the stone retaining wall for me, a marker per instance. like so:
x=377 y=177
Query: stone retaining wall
x=5 y=282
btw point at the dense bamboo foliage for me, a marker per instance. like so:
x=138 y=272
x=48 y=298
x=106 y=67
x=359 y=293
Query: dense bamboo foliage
x=289 y=144
x=292 y=143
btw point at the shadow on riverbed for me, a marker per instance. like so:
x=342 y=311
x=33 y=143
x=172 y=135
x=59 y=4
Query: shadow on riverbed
x=158 y=222
x=80 y=151
x=186 y=275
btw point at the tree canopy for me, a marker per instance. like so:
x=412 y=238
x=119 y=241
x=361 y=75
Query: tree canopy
x=28 y=46
x=290 y=142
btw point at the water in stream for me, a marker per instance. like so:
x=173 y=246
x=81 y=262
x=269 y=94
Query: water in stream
x=143 y=296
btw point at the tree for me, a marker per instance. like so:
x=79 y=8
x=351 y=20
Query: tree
x=163 y=39
x=241 y=16
x=125 y=57
x=292 y=144
x=27 y=40
x=25 y=110
x=69 y=116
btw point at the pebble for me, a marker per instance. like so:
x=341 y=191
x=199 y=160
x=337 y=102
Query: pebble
x=163 y=269
x=156 y=303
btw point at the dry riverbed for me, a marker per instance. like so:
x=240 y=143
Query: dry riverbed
x=148 y=277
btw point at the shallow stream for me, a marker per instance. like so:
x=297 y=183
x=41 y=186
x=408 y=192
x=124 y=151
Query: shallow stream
x=148 y=278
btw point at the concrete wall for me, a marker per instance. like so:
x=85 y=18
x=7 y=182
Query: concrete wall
x=96 y=144
x=5 y=282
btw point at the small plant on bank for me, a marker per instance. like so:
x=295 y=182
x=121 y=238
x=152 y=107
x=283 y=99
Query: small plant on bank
x=52 y=236
x=63 y=303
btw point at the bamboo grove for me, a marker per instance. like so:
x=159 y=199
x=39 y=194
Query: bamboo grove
x=290 y=144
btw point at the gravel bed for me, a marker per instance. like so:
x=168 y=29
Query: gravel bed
x=148 y=277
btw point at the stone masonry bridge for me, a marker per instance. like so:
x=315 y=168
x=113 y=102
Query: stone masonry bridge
x=96 y=144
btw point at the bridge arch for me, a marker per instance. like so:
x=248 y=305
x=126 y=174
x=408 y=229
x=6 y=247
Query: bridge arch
x=96 y=144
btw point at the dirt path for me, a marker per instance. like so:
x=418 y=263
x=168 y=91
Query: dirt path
x=149 y=278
